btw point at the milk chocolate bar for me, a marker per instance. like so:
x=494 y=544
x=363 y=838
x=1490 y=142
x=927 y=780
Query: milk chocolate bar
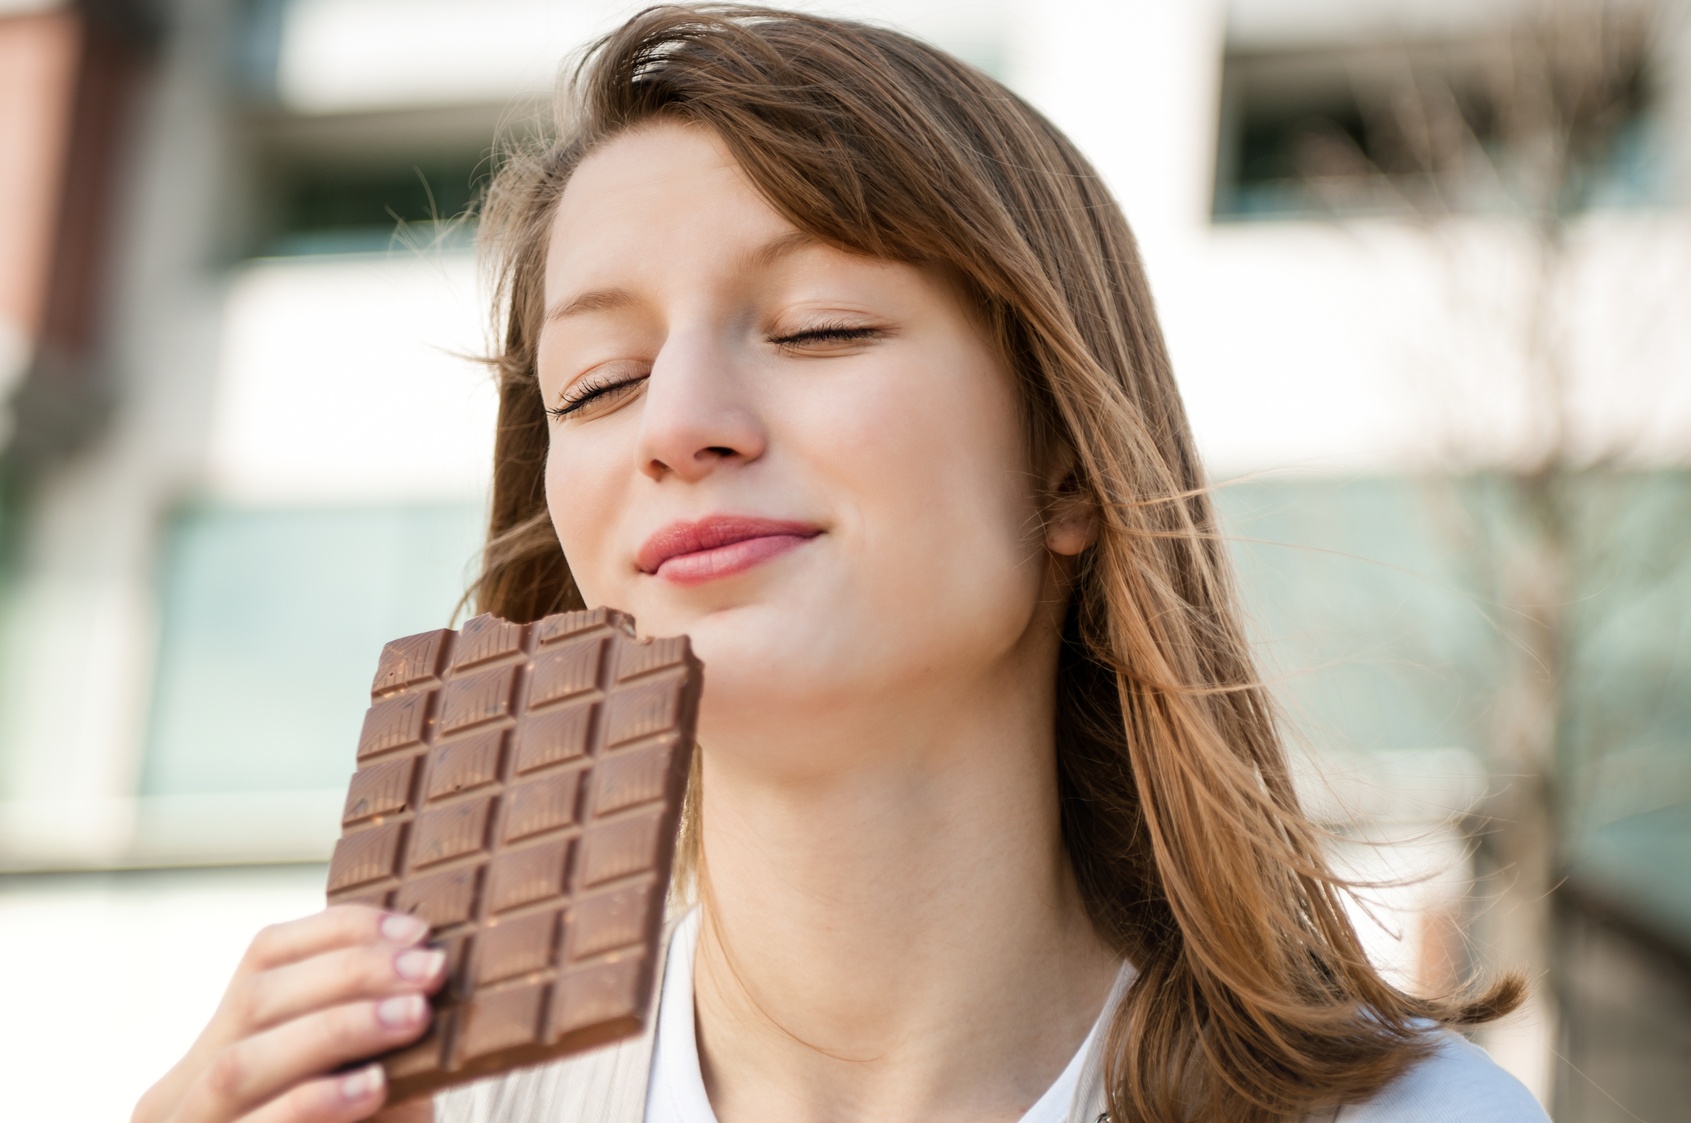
x=519 y=787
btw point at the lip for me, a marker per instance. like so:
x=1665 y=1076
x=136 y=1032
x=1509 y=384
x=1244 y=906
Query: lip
x=691 y=553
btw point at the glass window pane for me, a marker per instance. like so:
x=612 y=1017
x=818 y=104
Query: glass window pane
x=271 y=621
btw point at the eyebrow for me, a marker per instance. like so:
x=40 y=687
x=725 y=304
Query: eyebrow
x=777 y=248
x=614 y=299
x=593 y=300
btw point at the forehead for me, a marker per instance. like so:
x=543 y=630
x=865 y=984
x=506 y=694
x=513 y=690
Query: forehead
x=658 y=193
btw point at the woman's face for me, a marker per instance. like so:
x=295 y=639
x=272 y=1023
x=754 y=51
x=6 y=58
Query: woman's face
x=811 y=462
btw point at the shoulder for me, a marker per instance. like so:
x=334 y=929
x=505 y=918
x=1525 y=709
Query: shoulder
x=1457 y=1083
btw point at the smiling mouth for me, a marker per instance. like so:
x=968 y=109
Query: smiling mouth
x=691 y=553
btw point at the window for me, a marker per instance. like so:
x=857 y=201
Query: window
x=365 y=182
x=1438 y=126
x=271 y=621
x=336 y=208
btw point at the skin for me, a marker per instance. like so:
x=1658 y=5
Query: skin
x=893 y=929
x=893 y=932
x=308 y=997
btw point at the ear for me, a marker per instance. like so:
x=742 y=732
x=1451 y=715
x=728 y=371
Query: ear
x=1071 y=518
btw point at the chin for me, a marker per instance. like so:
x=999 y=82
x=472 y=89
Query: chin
x=765 y=660
x=751 y=643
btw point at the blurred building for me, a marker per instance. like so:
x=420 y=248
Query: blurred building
x=245 y=442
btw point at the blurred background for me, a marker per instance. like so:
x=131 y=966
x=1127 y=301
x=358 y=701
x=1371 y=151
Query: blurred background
x=1418 y=262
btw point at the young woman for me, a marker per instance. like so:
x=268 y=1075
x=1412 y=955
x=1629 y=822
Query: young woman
x=825 y=349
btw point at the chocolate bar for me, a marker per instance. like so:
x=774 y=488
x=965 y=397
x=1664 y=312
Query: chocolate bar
x=519 y=787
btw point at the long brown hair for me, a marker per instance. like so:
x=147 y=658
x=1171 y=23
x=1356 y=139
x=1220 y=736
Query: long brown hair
x=1254 y=1000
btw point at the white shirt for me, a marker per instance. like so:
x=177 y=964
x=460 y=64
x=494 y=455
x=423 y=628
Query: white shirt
x=1458 y=1083
x=676 y=1093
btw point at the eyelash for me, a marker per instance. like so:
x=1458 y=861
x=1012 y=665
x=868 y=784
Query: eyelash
x=590 y=389
x=825 y=333
x=595 y=388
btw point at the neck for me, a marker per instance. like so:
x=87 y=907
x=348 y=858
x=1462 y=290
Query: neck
x=901 y=939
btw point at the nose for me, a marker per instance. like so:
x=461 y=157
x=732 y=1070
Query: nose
x=698 y=415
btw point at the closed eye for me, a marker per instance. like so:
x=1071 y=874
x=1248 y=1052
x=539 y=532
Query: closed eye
x=825 y=334
x=595 y=392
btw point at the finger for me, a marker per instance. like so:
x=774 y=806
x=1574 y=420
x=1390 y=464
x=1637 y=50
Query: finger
x=258 y=1068
x=337 y=977
x=330 y=1099
x=335 y=927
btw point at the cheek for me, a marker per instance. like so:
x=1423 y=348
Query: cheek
x=585 y=499
x=928 y=460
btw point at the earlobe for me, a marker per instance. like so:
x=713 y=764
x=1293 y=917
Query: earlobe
x=1071 y=522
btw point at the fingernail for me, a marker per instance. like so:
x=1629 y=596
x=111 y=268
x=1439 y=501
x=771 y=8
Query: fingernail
x=419 y=964
x=401 y=1011
x=365 y=1082
x=403 y=929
